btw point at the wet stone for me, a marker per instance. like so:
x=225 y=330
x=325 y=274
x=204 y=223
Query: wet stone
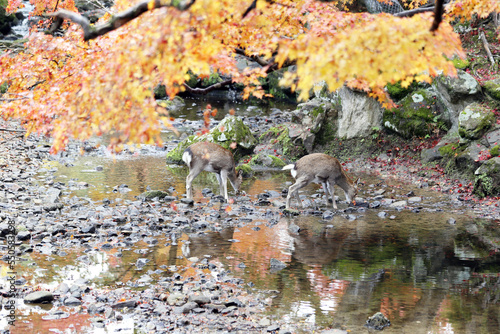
x=327 y=215
x=374 y=204
x=39 y=297
x=277 y=264
x=186 y=308
x=23 y=235
x=382 y=214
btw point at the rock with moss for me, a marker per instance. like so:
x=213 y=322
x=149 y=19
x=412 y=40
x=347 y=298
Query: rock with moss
x=160 y=92
x=172 y=105
x=398 y=92
x=308 y=120
x=267 y=160
x=154 y=194
x=456 y=93
x=6 y=20
x=246 y=170
x=492 y=88
x=446 y=147
x=230 y=130
x=277 y=142
x=460 y=63
x=495 y=151
x=487 y=178
x=474 y=121
x=417 y=116
x=468 y=160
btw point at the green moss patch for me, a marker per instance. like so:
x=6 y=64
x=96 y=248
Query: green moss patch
x=417 y=116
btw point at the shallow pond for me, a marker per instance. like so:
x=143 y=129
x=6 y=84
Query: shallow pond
x=427 y=274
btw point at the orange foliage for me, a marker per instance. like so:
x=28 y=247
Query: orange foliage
x=70 y=88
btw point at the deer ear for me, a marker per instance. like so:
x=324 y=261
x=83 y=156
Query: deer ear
x=357 y=181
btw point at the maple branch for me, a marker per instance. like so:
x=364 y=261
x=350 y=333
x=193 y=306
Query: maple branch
x=256 y=59
x=252 y=6
x=206 y=90
x=118 y=20
x=411 y=12
x=438 y=15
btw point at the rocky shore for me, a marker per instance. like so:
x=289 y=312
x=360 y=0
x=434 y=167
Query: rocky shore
x=201 y=297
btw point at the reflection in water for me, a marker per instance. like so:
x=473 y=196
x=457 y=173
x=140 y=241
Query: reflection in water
x=425 y=275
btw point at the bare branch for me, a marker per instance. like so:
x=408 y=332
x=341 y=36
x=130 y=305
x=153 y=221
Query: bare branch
x=252 y=6
x=118 y=20
x=411 y=12
x=204 y=91
x=487 y=48
x=256 y=59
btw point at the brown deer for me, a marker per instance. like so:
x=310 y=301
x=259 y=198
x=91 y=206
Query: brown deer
x=211 y=158
x=324 y=169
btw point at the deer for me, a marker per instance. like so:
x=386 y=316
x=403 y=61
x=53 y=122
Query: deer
x=211 y=158
x=324 y=169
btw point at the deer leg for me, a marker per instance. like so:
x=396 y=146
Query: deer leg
x=332 y=193
x=193 y=173
x=326 y=190
x=223 y=183
x=221 y=187
x=294 y=190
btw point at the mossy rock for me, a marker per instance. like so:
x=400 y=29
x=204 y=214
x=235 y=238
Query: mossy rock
x=160 y=92
x=154 y=194
x=417 y=116
x=492 y=88
x=172 y=105
x=474 y=121
x=271 y=85
x=487 y=178
x=451 y=150
x=279 y=137
x=460 y=63
x=246 y=170
x=495 y=151
x=230 y=130
x=267 y=160
x=398 y=92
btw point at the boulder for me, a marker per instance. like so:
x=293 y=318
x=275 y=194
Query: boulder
x=309 y=118
x=492 y=88
x=487 y=178
x=469 y=159
x=230 y=130
x=278 y=142
x=455 y=93
x=418 y=115
x=39 y=297
x=359 y=114
x=492 y=138
x=267 y=160
x=474 y=121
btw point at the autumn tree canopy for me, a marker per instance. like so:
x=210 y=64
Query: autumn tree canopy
x=90 y=79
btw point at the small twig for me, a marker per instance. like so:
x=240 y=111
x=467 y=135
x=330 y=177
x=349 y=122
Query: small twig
x=10 y=100
x=203 y=91
x=12 y=130
x=487 y=48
